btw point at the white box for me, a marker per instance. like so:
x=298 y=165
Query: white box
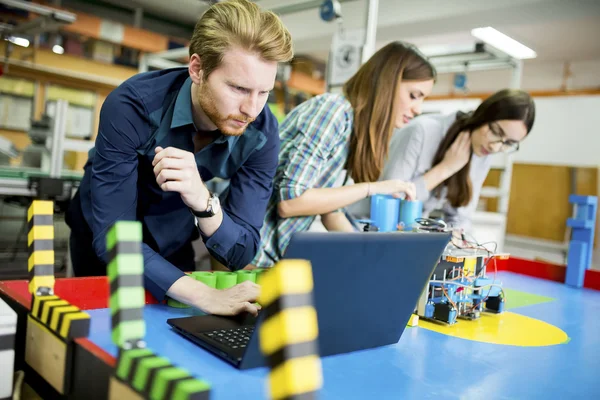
x=8 y=330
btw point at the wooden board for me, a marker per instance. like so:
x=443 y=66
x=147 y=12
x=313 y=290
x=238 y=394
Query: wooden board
x=539 y=198
x=47 y=355
x=119 y=391
x=539 y=201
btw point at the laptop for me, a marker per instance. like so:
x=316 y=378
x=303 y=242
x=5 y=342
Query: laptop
x=366 y=286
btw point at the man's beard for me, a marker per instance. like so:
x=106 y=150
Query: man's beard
x=223 y=123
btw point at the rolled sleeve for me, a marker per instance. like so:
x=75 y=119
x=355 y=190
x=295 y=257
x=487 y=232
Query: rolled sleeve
x=422 y=192
x=288 y=193
x=235 y=242
x=224 y=238
x=159 y=274
x=319 y=127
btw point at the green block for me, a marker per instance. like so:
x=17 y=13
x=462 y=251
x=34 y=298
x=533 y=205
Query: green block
x=245 y=275
x=127 y=297
x=225 y=280
x=208 y=278
x=143 y=370
x=176 y=304
x=125 y=264
x=185 y=389
x=158 y=390
x=124 y=361
x=130 y=231
x=128 y=330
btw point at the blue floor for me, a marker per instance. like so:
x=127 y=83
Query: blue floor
x=424 y=364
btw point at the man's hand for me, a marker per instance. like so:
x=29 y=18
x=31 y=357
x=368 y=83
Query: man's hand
x=232 y=301
x=235 y=300
x=176 y=171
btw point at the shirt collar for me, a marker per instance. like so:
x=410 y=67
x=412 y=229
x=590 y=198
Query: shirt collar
x=182 y=113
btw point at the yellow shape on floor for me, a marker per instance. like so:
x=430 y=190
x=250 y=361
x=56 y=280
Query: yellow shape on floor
x=506 y=329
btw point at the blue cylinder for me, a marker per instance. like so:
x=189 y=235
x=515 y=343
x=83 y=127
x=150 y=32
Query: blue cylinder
x=410 y=210
x=384 y=212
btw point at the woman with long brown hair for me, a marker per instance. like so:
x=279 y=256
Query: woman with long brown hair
x=331 y=133
x=447 y=156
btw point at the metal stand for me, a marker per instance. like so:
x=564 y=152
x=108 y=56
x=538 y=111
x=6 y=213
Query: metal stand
x=371 y=29
x=58 y=139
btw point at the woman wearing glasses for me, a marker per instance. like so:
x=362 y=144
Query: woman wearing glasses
x=447 y=156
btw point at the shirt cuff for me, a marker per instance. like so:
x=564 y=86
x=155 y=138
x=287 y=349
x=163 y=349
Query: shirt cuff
x=159 y=276
x=291 y=192
x=224 y=238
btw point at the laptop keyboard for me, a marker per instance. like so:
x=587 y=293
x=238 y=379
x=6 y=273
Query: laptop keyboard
x=236 y=338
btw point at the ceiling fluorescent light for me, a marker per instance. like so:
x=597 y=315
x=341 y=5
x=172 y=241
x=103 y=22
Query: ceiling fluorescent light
x=503 y=43
x=435 y=50
x=19 y=41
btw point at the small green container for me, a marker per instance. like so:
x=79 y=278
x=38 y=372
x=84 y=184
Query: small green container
x=245 y=275
x=208 y=278
x=225 y=280
x=176 y=304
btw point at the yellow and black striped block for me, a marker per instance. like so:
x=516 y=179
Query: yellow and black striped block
x=155 y=378
x=40 y=243
x=61 y=317
x=289 y=332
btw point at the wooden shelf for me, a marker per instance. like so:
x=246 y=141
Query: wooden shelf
x=94 y=27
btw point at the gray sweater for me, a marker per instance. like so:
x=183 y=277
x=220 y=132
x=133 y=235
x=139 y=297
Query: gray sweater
x=412 y=149
x=411 y=155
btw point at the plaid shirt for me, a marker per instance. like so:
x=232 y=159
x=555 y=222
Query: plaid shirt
x=315 y=139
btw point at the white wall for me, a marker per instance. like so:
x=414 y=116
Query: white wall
x=566 y=129
x=566 y=132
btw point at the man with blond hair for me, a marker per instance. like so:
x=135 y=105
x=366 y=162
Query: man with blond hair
x=163 y=134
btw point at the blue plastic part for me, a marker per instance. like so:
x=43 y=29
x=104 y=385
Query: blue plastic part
x=493 y=291
x=410 y=211
x=452 y=317
x=575 y=263
x=384 y=212
x=429 y=310
x=483 y=281
x=582 y=238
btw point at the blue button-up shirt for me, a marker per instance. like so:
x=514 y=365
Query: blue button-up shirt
x=155 y=109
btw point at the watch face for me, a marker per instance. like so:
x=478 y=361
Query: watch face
x=215 y=204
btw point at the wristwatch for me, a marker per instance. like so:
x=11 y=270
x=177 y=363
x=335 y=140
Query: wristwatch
x=213 y=208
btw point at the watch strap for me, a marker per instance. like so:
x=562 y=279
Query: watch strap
x=209 y=212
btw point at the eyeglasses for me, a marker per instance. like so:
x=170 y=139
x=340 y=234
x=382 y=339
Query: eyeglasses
x=507 y=145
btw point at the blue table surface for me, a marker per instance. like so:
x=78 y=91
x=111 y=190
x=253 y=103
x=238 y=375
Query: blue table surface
x=424 y=364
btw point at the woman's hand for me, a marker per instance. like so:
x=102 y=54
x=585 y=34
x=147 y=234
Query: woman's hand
x=459 y=153
x=395 y=187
